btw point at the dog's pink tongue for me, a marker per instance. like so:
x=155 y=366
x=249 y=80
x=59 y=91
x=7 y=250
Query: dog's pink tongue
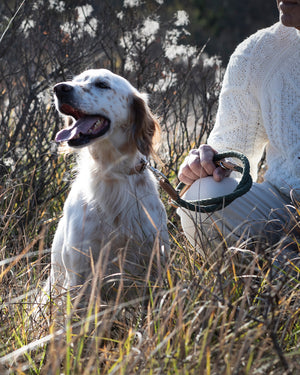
x=80 y=126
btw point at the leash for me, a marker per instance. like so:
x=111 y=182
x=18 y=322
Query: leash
x=210 y=204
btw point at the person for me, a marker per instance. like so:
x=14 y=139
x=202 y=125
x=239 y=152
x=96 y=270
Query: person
x=259 y=110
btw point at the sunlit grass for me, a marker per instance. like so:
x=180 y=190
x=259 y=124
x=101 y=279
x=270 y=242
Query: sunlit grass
x=200 y=319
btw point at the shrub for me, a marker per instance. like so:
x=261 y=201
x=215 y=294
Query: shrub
x=51 y=41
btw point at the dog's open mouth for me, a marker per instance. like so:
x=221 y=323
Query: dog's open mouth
x=84 y=129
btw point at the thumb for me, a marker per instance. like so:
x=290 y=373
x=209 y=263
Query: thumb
x=219 y=173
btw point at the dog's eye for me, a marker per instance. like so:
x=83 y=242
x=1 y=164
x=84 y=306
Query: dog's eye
x=101 y=85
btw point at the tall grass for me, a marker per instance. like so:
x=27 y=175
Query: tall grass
x=199 y=319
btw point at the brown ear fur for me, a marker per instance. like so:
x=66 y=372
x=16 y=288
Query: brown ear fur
x=146 y=129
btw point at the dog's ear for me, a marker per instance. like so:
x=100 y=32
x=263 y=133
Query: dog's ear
x=146 y=130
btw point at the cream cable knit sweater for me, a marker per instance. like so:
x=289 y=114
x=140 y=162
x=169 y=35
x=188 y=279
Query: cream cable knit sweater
x=260 y=104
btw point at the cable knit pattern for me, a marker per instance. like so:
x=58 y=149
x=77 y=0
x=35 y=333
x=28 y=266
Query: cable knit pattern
x=260 y=104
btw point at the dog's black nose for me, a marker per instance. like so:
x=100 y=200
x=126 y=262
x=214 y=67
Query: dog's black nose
x=62 y=88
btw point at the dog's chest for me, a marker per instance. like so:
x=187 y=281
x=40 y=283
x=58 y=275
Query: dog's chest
x=120 y=213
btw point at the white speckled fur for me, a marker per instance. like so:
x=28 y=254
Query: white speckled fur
x=110 y=215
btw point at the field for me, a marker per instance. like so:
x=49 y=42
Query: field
x=225 y=317
x=221 y=318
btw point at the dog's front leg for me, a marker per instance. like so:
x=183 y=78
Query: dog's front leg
x=77 y=262
x=79 y=243
x=58 y=272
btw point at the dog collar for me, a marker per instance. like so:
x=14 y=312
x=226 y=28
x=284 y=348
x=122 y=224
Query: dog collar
x=139 y=168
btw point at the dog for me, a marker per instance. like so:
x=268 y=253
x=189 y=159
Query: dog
x=114 y=224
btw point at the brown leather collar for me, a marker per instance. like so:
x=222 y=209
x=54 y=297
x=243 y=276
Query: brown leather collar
x=139 y=168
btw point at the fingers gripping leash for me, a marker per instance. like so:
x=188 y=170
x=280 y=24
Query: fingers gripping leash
x=210 y=204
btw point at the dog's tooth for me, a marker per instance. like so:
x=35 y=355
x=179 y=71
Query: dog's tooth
x=96 y=124
x=99 y=123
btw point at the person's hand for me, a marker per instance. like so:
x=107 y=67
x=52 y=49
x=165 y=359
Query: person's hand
x=198 y=164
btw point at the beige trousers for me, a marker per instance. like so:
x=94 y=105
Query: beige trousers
x=264 y=213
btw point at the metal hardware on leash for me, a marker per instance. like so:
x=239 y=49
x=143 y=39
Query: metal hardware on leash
x=156 y=172
x=164 y=182
x=210 y=204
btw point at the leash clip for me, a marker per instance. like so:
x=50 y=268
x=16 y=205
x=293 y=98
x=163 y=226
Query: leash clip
x=164 y=183
x=228 y=165
x=156 y=172
x=221 y=164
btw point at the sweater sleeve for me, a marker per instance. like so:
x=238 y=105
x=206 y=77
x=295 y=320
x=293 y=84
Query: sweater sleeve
x=239 y=124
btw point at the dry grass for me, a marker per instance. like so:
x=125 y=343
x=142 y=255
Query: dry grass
x=200 y=319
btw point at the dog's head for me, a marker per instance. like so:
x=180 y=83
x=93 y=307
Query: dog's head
x=104 y=105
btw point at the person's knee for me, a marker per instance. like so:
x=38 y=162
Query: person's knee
x=203 y=188
x=207 y=187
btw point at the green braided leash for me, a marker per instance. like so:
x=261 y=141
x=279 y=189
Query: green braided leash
x=215 y=204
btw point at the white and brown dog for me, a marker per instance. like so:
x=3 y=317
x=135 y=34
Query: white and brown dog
x=114 y=224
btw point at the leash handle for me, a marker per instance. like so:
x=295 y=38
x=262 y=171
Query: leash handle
x=215 y=204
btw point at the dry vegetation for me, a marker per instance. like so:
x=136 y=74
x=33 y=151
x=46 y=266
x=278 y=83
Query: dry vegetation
x=223 y=318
